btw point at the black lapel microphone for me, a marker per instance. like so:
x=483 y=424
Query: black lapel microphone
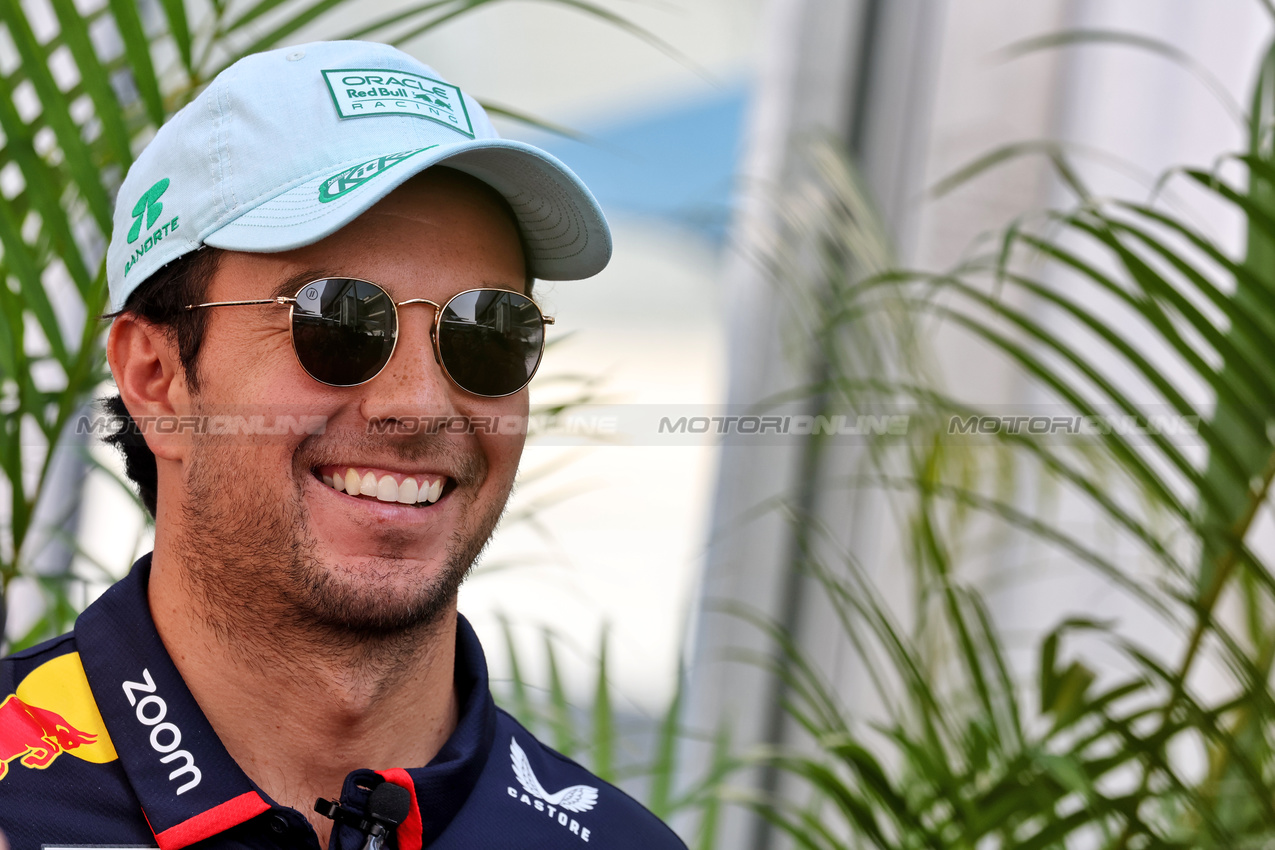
x=386 y=808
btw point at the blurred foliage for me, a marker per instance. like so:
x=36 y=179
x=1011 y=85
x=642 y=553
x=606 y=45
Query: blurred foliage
x=1155 y=731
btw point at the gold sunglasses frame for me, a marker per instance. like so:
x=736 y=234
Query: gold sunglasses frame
x=291 y=302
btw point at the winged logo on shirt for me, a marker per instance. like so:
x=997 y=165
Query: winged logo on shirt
x=576 y=798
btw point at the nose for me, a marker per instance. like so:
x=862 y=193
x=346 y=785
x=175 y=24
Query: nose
x=412 y=384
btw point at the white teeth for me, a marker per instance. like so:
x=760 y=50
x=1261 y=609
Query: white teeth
x=387 y=489
x=410 y=492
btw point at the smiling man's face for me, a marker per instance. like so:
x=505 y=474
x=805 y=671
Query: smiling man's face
x=265 y=528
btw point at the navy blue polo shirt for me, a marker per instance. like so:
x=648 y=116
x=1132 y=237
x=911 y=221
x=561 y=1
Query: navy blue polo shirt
x=102 y=745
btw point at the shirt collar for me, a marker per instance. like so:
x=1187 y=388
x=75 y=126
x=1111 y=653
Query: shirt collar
x=188 y=785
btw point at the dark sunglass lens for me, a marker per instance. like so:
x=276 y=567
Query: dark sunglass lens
x=343 y=330
x=490 y=341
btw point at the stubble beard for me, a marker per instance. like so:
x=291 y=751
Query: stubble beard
x=254 y=565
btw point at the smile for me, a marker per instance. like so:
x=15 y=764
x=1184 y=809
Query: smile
x=384 y=485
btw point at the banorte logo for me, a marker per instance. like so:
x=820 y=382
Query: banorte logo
x=148 y=209
x=51 y=713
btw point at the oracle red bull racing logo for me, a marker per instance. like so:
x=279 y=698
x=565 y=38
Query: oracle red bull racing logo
x=35 y=736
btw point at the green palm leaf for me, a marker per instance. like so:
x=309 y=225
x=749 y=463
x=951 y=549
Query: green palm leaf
x=1113 y=308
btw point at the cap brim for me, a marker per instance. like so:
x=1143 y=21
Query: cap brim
x=565 y=233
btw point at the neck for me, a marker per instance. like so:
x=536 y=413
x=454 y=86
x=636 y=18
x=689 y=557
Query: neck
x=330 y=693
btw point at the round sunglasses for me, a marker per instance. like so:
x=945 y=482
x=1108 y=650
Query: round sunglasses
x=488 y=341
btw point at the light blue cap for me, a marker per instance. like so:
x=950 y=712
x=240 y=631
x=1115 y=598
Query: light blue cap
x=286 y=147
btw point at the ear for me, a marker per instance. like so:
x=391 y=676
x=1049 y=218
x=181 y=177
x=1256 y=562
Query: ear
x=150 y=378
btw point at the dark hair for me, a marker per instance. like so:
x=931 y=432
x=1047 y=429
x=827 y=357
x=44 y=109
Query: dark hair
x=161 y=300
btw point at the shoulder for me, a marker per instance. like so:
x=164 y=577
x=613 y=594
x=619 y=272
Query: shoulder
x=59 y=773
x=16 y=667
x=561 y=792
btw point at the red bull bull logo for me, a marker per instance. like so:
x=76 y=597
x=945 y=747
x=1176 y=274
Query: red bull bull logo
x=52 y=712
x=35 y=736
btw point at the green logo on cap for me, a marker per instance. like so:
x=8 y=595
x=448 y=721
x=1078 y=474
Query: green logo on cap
x=352 y=178
x=368 y=92
x=149 y=204
x=149 y=208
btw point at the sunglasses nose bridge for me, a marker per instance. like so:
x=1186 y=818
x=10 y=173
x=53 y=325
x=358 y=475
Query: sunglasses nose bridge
x=433 y=304
x=408 y=385
x=433 y=327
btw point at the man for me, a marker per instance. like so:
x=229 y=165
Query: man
x=332 y=237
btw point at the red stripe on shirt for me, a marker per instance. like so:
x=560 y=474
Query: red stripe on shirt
x=410 y=830
x=217 y=819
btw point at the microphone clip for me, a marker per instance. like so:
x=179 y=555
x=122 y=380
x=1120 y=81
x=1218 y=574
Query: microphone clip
x=387 y=806
x=347 y=816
